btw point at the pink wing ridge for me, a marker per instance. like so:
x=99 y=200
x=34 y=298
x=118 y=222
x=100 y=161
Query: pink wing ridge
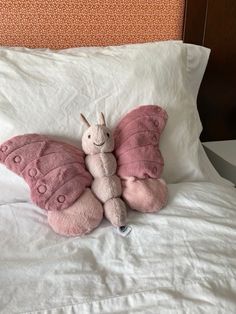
x=137 y=142
x=55 y=171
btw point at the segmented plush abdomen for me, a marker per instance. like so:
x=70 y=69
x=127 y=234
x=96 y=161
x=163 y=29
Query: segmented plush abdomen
x=55 y=171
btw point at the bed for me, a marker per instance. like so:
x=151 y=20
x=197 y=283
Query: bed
x=180 y=260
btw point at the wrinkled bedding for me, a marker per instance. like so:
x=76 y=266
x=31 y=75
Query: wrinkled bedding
x=182 y=260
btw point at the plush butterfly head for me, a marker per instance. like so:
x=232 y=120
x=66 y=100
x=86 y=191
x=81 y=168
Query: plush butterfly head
x=97 y=138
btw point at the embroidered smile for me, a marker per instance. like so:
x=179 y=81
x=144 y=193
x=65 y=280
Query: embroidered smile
x=98 y=144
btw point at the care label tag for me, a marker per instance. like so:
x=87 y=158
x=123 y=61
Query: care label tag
x=123 y=230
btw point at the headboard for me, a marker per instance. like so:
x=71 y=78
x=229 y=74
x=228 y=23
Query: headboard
x=212 y=23
x=60 y=24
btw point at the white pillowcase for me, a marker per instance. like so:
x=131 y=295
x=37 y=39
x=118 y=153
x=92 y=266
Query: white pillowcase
x=44 y=92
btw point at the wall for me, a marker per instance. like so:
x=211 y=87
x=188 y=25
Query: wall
x=60 y=24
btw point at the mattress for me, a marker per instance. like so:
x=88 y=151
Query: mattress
x=181 y=260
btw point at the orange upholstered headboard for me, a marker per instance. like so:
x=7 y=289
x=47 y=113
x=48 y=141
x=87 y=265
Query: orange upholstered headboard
x=60 y=24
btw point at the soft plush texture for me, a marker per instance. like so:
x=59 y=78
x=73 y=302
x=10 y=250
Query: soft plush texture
x=145 y=195
x=55 y=171
x=105 y=164
x=97 y=139
x=56 y=174
x=140 y=162
x=107 y=187
x=137 y=138
x=84 y=215
x=56 y=86
x=115 y=211
x=98 y=143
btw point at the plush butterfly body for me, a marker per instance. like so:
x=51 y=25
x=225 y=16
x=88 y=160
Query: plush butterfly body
x=76 y=189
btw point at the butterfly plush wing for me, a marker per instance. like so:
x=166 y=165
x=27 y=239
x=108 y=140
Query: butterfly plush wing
x=54 y=171
x=57 y=178
x=139 y=160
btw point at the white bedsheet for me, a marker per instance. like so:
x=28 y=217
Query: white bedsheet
x=182 y=260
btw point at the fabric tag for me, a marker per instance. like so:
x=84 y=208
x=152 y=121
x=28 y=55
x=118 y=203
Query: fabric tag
x=123 y=230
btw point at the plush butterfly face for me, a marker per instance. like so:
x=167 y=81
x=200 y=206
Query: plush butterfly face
x=97 y=138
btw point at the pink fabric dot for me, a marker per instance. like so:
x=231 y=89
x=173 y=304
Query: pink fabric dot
x=61 y=198
x=154 y=169
x=34 y=157
x=42 y=189
x=32 y=172
x=156 y=123
x=17 y=159
x=154 y=138
x=4 y=148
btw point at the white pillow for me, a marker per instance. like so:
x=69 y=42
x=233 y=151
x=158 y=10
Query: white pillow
x=44 y=92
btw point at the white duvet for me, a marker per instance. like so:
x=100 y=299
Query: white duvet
x=182 y=260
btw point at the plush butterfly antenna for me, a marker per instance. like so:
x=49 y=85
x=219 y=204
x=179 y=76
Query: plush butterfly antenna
x=102 y=119
x=84 y=120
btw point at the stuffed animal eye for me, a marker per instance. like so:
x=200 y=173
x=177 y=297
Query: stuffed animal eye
x=108 y=135
x=89 y=136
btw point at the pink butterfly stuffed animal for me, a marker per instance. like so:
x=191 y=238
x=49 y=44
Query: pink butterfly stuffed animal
x=98 y=144
x=60 y=183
